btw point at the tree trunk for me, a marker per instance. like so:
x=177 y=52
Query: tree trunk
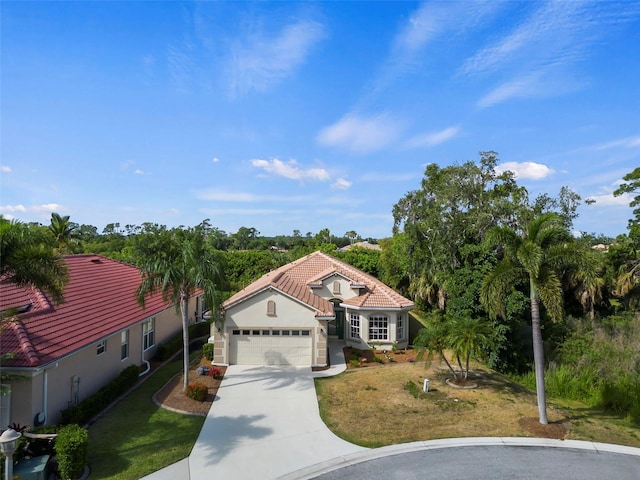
x=538 y=356
x=466 y=371
x=184 y=309
x=442 y=355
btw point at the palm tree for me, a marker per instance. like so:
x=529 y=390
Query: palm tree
x=466 y=336
x=65 y=232
x=181 y=266
x=538 y=253
x=28 y=261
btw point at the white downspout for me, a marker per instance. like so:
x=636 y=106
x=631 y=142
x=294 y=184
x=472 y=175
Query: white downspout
x=45 y=392
x=146 y=362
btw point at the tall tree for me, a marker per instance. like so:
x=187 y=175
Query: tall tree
x=183 y=265
x=27 y=259
x=540 y=252
x=455 y=206
x=65 y=233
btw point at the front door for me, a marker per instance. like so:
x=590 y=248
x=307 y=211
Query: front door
x=340 y=323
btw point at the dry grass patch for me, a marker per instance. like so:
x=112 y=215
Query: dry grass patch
x=372 y=407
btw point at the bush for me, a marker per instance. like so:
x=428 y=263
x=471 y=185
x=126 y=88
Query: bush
x=200 y=329
x=215 y=372
x=207 y=351
x=71 y=450
x=197 y=391
x=167 y=349
x=94 y=404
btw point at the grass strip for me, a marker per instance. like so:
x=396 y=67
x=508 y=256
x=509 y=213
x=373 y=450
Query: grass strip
x=136 y=437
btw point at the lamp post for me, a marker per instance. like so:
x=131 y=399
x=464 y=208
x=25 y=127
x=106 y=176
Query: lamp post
x=8 y=445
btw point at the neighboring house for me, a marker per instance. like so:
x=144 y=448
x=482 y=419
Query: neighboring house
x=287 y=316
x=67 y=352
x=363 y=244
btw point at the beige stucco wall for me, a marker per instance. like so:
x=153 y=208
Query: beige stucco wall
x=252 y=314
x=327 y=291
x=94 y=371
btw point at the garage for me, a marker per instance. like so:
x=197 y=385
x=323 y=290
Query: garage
x=270 y=347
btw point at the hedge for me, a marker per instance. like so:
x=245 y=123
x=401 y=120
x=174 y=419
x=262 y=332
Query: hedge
x=71 y=446
x=94 y=404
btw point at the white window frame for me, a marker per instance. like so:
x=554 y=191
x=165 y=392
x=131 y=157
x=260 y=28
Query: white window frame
x=101 y=347
x=149 y=333
x=124 y=345
x=336 y=287
x=354 y=328
x=378 y=327
x=400 y=327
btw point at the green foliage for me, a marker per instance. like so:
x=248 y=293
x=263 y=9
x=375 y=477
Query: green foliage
x=165 y=350
x=365 y=259
x=241 y=267
x=207 y=351
x=72 y=444
x=197 y=391
x=94 y=404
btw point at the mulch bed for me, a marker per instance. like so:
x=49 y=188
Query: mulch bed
x=172 y=396
x=367 y=358
x=554 y=430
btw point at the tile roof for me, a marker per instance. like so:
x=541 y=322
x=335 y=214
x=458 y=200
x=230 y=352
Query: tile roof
x=99 y=301
x=297 y=278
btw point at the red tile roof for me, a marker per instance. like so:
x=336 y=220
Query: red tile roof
x=297 y=278
x=99 y=301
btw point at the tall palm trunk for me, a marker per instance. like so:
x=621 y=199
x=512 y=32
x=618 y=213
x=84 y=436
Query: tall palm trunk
x=184 y=309
x=538 y=355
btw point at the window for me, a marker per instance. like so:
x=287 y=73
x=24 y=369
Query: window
x=378 y=327
x=236 y=332
x=266 y=332
x=124 y=345
x=354 y=321
x=336 y=287
x=148 y=333
x=285 y=332
x=271 y=308
x=305 y=333
x=101 y=347
x=400 y=327
x=5 y=404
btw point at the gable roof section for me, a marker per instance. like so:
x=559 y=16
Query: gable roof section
x=296 y=278
x=99 y=301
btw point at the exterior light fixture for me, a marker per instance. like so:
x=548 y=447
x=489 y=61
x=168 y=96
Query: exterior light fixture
x=8 y=445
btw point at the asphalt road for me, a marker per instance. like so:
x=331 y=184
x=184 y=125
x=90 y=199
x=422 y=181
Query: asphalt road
x=494 y=463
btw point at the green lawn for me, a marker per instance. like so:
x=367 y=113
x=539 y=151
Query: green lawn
x=137 y=438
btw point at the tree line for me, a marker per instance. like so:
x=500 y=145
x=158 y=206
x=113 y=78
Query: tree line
x=495 y=274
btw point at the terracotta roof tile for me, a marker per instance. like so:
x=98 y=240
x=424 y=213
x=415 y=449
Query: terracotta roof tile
x=99 y=301
x=295 y=278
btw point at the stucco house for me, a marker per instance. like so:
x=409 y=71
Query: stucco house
x=69 y=351
x=287 y=316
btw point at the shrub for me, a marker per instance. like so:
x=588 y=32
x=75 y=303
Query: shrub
x=215 y=372
x=354 y=362
x=200 y=329
x=71 y=450
x=197 y=391
x=94 y=404
x=207 y=351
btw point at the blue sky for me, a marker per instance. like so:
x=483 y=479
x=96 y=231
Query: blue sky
x=301 y=116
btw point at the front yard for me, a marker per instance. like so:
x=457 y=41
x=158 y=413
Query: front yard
x=376 y=405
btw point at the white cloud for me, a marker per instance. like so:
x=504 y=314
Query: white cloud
x=291 y=170
x=521 y=87
x=44 y=208
x=341 y=184
x=137 y=171
x=5 y=169
x=525 y=170
x=628 y=142
x=215 y=159
x=359 y=134
x=608 y=200
x=246 y=197
x=265 y=59
x=431 y=139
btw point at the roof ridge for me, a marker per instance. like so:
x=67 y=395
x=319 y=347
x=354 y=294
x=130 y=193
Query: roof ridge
x=25 y=342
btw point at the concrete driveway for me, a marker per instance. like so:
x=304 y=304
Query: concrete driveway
x=265 y=424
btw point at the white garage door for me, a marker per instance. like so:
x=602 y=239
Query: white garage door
x=270 y=347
